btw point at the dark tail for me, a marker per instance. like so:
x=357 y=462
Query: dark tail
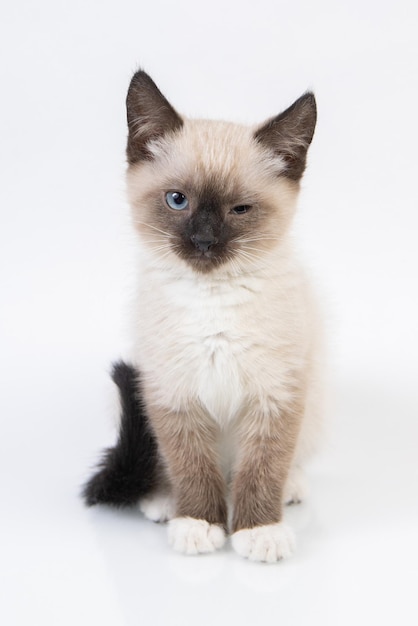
x=127 y=471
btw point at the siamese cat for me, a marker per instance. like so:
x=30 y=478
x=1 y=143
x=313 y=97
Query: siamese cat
x=220 y=406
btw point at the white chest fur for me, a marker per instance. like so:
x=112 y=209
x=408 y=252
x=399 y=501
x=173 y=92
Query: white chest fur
x=213 y=341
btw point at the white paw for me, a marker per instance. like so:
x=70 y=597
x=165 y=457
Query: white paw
x=194 y=536
x=269 y=543
x=295 y=488
x=158 y=507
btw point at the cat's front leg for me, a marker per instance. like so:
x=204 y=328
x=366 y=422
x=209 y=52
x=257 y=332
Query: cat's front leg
x=188 y=442
x=267 y=444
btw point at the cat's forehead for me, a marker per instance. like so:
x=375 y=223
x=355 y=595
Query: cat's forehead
x=215 y=145
x=208 y=152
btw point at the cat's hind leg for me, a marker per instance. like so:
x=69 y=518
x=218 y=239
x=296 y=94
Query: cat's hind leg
x=159 y=506
x=311 y=430
x=296 y=485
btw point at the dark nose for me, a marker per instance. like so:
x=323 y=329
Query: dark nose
x=203 y=244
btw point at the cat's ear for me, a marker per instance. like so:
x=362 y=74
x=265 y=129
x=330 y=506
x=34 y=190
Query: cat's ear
x=289 y=134
x=150 y=116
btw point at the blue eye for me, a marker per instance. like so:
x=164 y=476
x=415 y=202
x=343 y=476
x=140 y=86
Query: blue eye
x=176 y=200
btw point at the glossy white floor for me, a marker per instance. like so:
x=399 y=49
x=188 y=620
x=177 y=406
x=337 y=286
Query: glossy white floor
x=356 y=561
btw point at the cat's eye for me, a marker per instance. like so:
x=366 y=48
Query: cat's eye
x=240 y=210
x=176 y=200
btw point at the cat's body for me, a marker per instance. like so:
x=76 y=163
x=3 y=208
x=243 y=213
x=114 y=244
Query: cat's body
x=229 y=342
x=226 y=329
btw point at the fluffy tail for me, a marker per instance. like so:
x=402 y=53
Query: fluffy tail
x=127 y=471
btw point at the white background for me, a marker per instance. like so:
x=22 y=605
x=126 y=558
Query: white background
x=65 y=283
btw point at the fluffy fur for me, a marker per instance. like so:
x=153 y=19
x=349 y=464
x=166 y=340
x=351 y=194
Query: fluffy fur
x=226 y=328
x=127 y=471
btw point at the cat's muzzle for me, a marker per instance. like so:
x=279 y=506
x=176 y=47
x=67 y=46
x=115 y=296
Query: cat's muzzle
x=203 y=245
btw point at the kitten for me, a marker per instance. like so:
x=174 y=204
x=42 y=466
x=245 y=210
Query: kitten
x=224 y=407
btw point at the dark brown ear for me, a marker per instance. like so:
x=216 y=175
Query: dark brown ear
x=150 y=116
x=289 y=134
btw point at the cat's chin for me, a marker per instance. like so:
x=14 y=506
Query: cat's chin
x=204 y=262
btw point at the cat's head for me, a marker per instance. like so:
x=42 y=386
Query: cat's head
x=208 y=193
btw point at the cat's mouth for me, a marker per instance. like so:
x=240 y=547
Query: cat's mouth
x=205 y=259
x=206 y=254
x=202 y=260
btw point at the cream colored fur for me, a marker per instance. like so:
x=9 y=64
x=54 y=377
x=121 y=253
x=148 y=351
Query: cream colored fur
x=229 y=340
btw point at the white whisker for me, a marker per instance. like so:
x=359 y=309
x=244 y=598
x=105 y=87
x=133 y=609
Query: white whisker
x=153 y=227
x=251 y=239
